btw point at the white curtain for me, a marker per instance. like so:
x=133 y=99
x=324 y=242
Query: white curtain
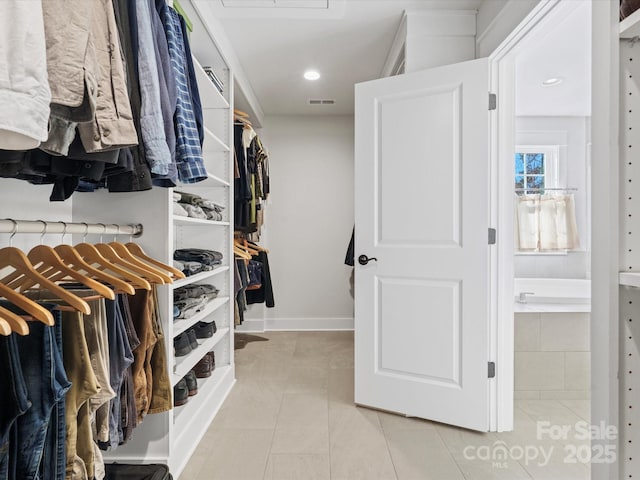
x=546 y=222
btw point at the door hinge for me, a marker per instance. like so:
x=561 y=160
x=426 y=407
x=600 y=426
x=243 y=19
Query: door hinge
x=493 y=101
x=492 y=369
x=492 y=236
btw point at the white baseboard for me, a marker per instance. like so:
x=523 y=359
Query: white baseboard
x=296 y=324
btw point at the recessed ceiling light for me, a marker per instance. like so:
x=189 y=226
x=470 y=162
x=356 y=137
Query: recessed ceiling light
x=549 y=82
x=311 y=75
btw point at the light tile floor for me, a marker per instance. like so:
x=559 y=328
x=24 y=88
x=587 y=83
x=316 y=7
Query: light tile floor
x=291 y=416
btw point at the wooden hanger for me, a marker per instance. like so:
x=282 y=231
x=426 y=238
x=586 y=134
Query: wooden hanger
x=241 y=253
x=36 y=310
x=94 y=257
x=136 y=250
x=110 y=254
x=14 y=257
x=72 y=258
x=258 y=247
x=49 y=264
x=5 y=328
x=145 y=269
x=13 y=321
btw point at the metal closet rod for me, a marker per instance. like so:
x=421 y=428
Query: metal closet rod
x=12 y=226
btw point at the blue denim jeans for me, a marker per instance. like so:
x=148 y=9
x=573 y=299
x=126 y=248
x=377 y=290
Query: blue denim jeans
x=13 y=402
x=39 y=432
x=120 y=358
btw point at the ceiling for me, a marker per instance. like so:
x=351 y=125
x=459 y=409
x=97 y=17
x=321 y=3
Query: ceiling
x=347 y=41
x=562 y=51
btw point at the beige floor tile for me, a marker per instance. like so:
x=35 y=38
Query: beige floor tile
x=548 y=410
x=358 y=447
x=421 y=455
x=238 y=455
x=582 y=408
x=249 y=406
x=301 y=440
x=308 y=410
x=556 y=470
x=527 y=332
x=308 y=377
x=487 y=470
x=340 y=384
x=298 y=467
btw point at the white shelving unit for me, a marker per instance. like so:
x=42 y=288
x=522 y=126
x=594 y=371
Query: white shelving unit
x=629 y=277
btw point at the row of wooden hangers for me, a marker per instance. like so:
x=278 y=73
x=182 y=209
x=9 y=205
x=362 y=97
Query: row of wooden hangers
x=245 y=249
x=105 y=268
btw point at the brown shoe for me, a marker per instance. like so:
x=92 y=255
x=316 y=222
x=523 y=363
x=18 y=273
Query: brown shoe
x=204 y=367
x=212 y=356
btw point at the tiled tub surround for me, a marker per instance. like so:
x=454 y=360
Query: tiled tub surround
x=552 y=355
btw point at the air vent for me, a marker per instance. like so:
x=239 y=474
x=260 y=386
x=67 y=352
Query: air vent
x=318 y=101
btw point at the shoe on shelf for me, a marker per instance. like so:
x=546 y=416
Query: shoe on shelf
x=204 y=367
x=205 y=329
x=212 y=356
x=192 y=383
x=193 y=340
x=182 y=345
x=180 y=393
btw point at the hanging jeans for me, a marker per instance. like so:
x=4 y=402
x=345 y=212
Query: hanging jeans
x=37 y=445
x=13 y=402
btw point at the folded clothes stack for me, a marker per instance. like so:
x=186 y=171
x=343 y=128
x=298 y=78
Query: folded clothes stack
x=191 y=205
x=195 y=260
x=191 y=299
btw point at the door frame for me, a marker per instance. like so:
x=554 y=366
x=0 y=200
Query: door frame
x=502 y=147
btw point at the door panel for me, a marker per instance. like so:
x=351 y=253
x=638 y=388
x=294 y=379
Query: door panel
x=422 y=183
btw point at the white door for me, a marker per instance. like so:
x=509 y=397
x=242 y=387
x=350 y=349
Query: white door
x=422 y=210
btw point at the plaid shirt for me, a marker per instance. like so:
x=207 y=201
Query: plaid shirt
x=189 y=159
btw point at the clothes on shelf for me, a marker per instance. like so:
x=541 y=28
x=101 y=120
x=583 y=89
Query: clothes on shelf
x=195 y=260
x=109 y=98
x=191 y=299
x=190 y=205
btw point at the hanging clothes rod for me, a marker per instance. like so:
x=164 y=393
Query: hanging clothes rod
x=8 y=225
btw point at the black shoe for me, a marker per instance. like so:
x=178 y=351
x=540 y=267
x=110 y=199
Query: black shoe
x=193 y=340
x=180 y=393
x=182 y=345
x=205 y=330
x=192 y=383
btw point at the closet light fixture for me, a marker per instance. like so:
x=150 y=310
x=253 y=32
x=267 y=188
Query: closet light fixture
x=550 y=82
x=311 y=75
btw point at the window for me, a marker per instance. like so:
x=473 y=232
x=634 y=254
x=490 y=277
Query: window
x=536 y=168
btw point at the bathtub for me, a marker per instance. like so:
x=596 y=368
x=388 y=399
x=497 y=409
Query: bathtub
x=552 y=295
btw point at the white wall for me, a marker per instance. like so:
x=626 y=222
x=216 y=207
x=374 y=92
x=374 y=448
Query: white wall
x=309 y=219
x=572 y=134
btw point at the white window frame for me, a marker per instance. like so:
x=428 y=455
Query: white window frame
x=551 y=162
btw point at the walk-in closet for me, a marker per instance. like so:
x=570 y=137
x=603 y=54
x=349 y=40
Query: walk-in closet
x=318 y=239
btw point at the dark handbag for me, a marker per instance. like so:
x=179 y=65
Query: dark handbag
x=120 y=471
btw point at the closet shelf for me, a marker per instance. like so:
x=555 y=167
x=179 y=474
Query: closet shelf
x=630 y=26
x=186 y=363
x=198 y=277
x=180 y=326
x=629 y=279
x=210 y=97
x=190 y=421
x=212 y=144
x=180 y=220
x=215 y=180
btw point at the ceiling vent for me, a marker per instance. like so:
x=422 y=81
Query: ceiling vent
x=318 y=101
